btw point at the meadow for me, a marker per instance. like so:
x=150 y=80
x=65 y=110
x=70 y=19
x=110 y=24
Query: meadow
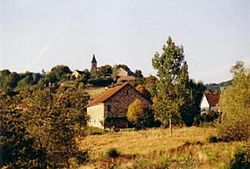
x=187 y=147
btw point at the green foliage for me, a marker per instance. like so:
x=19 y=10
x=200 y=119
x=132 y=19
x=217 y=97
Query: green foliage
x=113 y=153
x=235 y=105
x=8 y=80
x=137 y=113
x=195 y=91
x=101 y=81
x=241 y=159
x=17 y=145
x=57 y=74
x=171 y=99
x=82 y=157
x=51 y=117
x=144 y=91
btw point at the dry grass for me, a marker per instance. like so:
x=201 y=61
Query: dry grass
x=187 y=146
x=145 y=141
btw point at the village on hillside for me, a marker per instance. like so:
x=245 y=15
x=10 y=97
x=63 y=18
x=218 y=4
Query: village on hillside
x=124 y=84
x=89 y=112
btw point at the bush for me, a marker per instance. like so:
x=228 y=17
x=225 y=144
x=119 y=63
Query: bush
x=213 y=139
x=237 y=130
x=241 y=159
x=113 y=153
x=82 y=157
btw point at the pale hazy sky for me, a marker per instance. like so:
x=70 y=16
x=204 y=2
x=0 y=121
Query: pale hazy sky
x=39 y=34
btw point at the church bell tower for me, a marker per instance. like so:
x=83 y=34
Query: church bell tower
x=93 y=64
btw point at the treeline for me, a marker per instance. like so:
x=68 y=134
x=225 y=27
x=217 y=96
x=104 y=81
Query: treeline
x=102 y=76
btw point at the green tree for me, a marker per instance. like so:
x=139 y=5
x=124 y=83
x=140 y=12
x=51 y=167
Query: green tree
x=55 y=116
x=57 y=73
x=17 y=145
x=144 y=91
x=8 y=80
x=137 y=114
x=171 y=97
x=235 y=105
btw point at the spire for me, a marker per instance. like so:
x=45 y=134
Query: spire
x=93 y=64
x=93 y=59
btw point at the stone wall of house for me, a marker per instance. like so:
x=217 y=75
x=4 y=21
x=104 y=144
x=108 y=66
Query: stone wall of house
x=117 y=105
x=96 y=114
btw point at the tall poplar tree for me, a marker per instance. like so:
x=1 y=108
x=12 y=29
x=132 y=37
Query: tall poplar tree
x=172 y=94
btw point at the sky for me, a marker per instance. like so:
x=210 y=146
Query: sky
x=39 y=34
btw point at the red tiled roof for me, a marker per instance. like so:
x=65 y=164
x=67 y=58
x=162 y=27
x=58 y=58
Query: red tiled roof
x=212 y=98
x=106 y=95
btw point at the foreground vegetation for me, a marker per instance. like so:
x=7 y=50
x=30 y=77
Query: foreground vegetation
x=155 y=148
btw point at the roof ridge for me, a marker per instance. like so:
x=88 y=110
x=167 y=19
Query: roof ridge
x=107 y=94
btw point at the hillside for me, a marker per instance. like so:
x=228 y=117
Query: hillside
x=217 y=87
x=186 y=148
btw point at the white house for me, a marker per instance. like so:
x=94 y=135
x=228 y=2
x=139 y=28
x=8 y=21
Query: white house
x=209 y=102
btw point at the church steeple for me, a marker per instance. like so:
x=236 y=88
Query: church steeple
x=93 y=64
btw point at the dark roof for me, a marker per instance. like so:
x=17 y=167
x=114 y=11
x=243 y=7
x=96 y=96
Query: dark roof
x=212 y=98
x=93 y=59
x=106 y=95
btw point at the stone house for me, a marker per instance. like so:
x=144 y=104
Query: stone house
x=209 y=102
x=110 y=108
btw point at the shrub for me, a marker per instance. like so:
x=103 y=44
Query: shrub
x=241 y=159
x=213 y=139
x=82 y=157
x=237 y=130
x=113 y=153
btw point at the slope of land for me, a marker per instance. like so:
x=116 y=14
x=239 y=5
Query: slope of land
x=186 y=148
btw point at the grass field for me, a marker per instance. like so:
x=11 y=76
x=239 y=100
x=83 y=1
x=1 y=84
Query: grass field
x=186 y=148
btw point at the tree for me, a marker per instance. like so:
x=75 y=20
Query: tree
x=58 y=73
x=137 y=114
x=142 y=89
x=55 y=117
x=235 y=105
x=17 y=145
x=171 y=98
x=8 y=80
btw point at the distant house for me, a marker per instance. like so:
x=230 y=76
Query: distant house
x=76 y=74
x=122 y=72
x=109 y=109
x=209 y=102
x=124 y=79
